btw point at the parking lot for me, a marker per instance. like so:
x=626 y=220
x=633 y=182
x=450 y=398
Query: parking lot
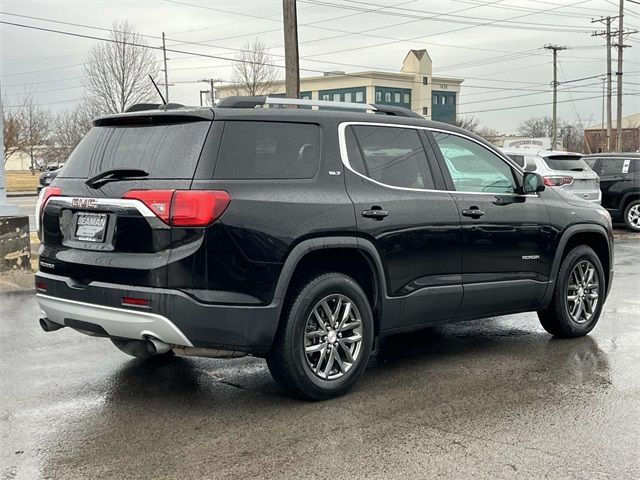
x=491 y=399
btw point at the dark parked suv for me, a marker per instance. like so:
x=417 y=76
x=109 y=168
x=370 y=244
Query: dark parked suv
x=303 y=235
x=620 y=184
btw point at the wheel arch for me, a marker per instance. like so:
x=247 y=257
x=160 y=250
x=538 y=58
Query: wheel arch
x=594 y=236
x=352 y=256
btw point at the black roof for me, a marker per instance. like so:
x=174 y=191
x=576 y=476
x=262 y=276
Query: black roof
x=175 y=112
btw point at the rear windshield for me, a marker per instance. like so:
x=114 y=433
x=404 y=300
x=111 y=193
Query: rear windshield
x=168 y=151
x=566 y=162
x=268 y=150
x=519 y=159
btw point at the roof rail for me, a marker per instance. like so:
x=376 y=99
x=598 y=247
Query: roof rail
x=254 y=102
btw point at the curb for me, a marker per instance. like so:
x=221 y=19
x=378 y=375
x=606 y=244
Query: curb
x=28 y=193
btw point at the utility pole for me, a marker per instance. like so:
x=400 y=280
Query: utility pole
x=554 y=126
x=607 y=34
x=166 y=73
x=210 y=81
x=292 y=69
x=619 y=77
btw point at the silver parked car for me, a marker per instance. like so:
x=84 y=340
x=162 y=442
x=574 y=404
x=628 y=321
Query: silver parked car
x=564 y=170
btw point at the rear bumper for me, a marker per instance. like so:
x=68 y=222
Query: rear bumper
x=172 y=316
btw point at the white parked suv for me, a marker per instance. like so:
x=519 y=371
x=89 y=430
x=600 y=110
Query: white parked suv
x=564 y=170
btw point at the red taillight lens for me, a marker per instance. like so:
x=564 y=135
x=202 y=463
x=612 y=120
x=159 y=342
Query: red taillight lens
x=198 y=208
x=557 y=181
x=158 y=201
x=41 y=286
x=45 y=195
x=184 y=208
x=136 y=302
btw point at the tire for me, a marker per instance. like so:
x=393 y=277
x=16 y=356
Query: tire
x=632 y=216
x=138 y=349
x=307 y=374
x=560 y=318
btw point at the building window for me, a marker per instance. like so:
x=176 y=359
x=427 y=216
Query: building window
x=434 y=99
x=425 y=110
x=347 y=96
x=396 y=97
x=450 y=100
x=407 y=98
x=325 y=96
x=387 y=96
x=336 y=97
x=360 y=97
x=425 y=80
x=378 y=96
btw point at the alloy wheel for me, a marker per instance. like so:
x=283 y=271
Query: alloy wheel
x=633 y=215
x=583 y=292
x=333 y=337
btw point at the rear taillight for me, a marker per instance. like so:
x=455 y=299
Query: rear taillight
x=158 y=201
x=557 y=181
x=184 y=208
x=41 y=286
x=45 y=194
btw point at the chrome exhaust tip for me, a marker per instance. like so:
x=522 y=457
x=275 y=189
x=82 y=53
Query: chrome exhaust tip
x=157 y=347
x=49 y=326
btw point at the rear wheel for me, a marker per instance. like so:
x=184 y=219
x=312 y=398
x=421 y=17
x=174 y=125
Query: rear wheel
x=632 y=216
x=578 y=296
x=324 y=339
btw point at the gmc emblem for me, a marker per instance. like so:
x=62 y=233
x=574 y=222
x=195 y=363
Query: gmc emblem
x=83 y=203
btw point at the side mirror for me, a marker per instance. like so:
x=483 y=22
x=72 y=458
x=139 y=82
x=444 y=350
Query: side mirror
x=532 y=183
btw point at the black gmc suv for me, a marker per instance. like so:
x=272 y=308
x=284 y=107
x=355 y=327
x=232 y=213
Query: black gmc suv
x=620 y=185
x=302 y=235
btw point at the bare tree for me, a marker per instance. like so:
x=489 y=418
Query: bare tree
x=536 y=127
x=36 y=126
x=254 y=72
x=117 y=73
x=27 y=127
x=468 y=123
x=68 y=129
x=572 y=136
x=13 y=130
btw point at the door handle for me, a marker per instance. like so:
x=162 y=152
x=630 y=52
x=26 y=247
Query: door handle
x=473 y=212
x=375 y=213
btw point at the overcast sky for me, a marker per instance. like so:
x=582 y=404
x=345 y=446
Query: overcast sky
x=496 y=61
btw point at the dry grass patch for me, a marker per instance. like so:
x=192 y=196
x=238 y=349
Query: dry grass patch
x=21 y=181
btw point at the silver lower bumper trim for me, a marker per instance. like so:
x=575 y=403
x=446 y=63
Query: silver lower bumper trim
x=117 y=322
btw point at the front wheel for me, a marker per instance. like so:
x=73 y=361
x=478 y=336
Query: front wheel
x=324 y=339
x=578 y=296
x=632 y=216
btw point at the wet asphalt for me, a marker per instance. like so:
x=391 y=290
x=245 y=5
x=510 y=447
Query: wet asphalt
x=497 y=398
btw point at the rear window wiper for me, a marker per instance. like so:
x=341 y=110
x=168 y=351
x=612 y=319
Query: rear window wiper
x=114 y=176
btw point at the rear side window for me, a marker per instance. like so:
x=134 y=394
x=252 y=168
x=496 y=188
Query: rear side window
x=167 y=151
x=390 y=155
x=268 y=150
x=565 y=162
x=616 y=166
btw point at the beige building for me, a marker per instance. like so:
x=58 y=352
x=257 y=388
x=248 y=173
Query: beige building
x=412 y=87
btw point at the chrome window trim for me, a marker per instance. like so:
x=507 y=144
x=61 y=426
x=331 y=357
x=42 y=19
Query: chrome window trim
x=345 y=158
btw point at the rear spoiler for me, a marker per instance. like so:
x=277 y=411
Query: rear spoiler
x=155 y=117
